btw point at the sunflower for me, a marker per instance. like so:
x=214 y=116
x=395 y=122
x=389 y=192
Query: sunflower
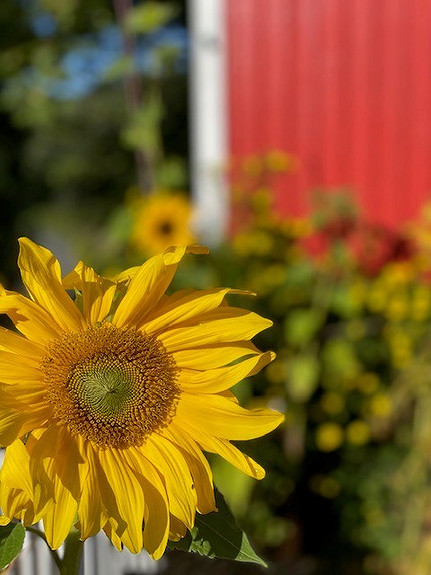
x=159 y=221
x=108 y=401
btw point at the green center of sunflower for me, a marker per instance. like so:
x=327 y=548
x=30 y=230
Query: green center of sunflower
x=113 y=387
x=105 y=391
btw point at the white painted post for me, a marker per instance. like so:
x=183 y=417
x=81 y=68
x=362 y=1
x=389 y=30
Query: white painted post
x=208 y=118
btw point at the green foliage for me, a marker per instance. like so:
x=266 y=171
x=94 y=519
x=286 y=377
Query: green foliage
x=79 y=152
x=217 y=535
x=302 y=325
x=347 y=482
x=302 y=377
x=149 y=16
x=11 y=542
x=141 y=132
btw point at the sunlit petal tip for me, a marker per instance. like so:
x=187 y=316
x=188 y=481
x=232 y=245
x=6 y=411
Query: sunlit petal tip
x=4 y=520
x=197 y=250
x=41 y=275
x=243 y=292
x=73 y=278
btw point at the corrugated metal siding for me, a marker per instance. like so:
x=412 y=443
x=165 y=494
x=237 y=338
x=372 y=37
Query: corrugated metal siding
x=343 y=84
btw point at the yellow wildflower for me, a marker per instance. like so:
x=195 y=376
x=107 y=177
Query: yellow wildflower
x=329 y=436
x=159 y=221
x=358 y=432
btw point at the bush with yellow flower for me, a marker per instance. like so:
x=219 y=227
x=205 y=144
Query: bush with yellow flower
x=351 y=304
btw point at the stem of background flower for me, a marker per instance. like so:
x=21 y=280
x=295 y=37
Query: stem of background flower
x=73 y=548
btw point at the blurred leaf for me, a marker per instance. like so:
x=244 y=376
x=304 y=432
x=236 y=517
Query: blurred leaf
x=119 y=225
x=217 y=535
x=339 y=361
x=303 y=377
x=344 y=303
x=302 y=325
x=143 y=130
x=171 y=173
x=123 y=66
x=148 y=17
x=11 y=542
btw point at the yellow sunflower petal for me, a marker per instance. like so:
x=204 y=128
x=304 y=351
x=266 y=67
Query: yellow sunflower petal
x=173 y=467
x=11 y=424
x=215 y=380
x=29 y=396
x=18 y=489
x=224 y=325
x=41 y=275
x=97 y=292
x=175 y=310
x=177 y=529
x=22 y=409
x=126 y=275
x=14 y=369
x=110 y=528
x=198 y=465
x=54 y=458
x=213 y=356
x=225 y=418
x=15 y=423
x=15 y=343
x=92 y=516
x=73 y=280
x=156 y=514
x=232 y=454
x=5 y=520
x=18 y=506
x=68 y=460
x=17 y=419
x=48 y=448
x=29 y=318
x=59 y=519
x=129 y=496
x=108 y=498
x=15 y=471
x=147 y=286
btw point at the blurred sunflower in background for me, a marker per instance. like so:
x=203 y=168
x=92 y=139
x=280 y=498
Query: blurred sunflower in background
x=160 y=221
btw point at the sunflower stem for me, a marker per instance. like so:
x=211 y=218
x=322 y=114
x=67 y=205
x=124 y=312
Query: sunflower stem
x=73 y=548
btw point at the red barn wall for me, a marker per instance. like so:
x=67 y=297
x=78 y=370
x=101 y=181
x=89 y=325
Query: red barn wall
x=343 y=84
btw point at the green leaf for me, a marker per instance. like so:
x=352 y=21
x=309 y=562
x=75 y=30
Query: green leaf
x=143 y=129
x=148 y=17
x=217 y=535
x=303 y=377
x=11 y=542
x=302 y=325
x=171 y=173
x=121 y=67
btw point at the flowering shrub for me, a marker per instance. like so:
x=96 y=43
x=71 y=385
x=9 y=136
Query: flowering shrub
x=347 y=472
x=352 y=335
